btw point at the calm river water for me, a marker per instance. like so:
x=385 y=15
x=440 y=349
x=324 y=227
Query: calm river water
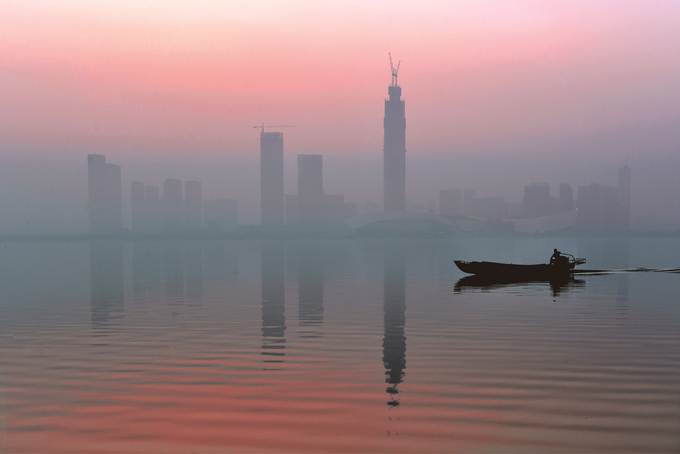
x=347 y=345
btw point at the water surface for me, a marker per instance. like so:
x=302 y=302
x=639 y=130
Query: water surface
x=348 y=345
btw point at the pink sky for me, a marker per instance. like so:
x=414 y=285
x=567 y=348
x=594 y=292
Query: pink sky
x=194 y=77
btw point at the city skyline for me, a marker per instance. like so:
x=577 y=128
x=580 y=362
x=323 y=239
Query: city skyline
x=499 y=97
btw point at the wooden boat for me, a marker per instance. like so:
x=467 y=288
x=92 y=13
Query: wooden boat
x=514 y=272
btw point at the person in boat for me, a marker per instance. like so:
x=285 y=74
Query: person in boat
x=557 y=258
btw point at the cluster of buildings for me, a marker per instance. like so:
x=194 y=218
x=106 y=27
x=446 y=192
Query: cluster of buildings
x=181 y=209
x=596 y=207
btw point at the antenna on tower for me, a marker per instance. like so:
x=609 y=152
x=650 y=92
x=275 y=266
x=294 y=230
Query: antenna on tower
x=395 y=72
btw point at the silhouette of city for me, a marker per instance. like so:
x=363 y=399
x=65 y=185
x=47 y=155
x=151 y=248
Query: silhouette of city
x=181 y=209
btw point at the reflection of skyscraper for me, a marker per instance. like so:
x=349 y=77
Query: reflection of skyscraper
x=105 y=207
x=271 y=178
x=310 y=188
x=106 y=282
x=193 y=255
x=394 y=342
x=394 y=148
x=174 y=273
x=273 y=301
x=310 y=291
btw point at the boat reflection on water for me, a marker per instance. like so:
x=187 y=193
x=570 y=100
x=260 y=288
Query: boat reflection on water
x=477 y=282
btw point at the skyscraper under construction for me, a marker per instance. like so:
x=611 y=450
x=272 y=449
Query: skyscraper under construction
x=394 y=147
x=271 y=178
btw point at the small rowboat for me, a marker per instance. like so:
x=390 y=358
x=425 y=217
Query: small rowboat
x=515 y=272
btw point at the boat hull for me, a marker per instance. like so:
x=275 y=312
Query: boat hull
x=512 y=272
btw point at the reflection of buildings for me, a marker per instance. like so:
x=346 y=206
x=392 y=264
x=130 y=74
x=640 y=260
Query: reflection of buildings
x=273 y=301
x=310 y=291
x=105 y=208
x=271 y=178
x=394 y=342
x=147 y=268
x=106 y=282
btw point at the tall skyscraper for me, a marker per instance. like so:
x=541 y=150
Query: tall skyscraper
x=193 y=205
x=271 y=178
x=394 y=148
x=105 y=206
x=624 y=196
x=310 y=189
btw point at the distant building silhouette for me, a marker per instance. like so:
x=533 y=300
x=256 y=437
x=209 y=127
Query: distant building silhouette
x=271 y=179
x=624 y=197
x=450 y=202
x=310 y=189
x=394 y=148
x=105 y=207
x=193 y=206
x=172 y=205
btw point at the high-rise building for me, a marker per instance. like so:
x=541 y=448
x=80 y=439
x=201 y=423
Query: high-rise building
x=105 y=207
x=450 y=202
x=193 y=206
x=271 y=179
x=172 y=204
x=624 y=196
x=394 y=148
x=310 y=189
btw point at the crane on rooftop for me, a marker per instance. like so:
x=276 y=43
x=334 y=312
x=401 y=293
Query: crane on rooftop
x=262 y=126
x=395 y=72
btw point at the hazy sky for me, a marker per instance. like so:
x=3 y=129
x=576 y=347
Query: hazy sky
x=580 y=85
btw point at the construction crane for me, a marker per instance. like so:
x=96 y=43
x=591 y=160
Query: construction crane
x=394 y=71
x=262 y=126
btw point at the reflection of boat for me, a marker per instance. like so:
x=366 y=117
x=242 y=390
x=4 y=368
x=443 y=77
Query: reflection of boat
x=482 y=282
x=514 y=272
